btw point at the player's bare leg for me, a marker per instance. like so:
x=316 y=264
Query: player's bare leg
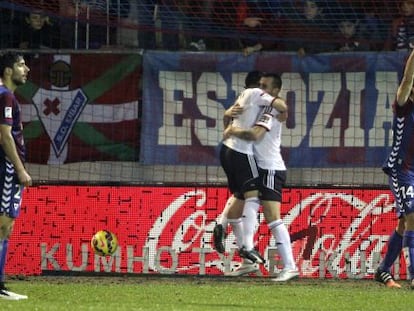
x=6 y=227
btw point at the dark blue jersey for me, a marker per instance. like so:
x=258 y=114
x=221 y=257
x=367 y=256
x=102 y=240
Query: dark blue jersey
x=10 y=114
x=401 y=157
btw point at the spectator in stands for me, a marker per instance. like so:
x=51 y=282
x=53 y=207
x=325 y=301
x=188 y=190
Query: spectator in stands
x=155 y=24
x=38 y=31
x=168 y=24
x=350 y=38
x=84 y=25
x=312 y=31
x=401 y=36
x=193 y=24
x=196 y=25
x=9 y=28
x=262 y=26
x=224 y=19
x=146 y=15
x=209 y=25
x=126 y=13
x=373 y=25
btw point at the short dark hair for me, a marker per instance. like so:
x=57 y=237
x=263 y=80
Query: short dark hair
x=7 y=60
x=277 y=80
x=252 y=79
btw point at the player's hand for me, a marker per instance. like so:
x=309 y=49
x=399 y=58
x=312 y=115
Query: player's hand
x=282 y=116
x=24 y=178
x=227 y=132
x=248 y=50
x=253 y=22
x=236 y=110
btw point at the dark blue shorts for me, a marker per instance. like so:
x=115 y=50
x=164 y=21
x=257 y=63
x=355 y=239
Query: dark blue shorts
x=402 y=186
x=10 y=191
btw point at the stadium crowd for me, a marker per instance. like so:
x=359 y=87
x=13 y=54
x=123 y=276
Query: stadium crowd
x=249 y=25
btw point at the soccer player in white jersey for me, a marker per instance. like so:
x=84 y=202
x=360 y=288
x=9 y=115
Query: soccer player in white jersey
x=237 y=160
x=266 y=134
x=252 y=80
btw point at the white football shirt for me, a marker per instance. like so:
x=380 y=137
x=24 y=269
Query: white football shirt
x=267 y=150
x=252 y=100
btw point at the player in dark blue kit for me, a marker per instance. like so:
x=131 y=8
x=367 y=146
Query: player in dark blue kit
x=13 y=174
x=399 y=166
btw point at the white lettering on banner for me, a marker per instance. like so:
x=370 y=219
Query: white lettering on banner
x=386 y=84
x=108 y=262
x=172 y=82
x=175 y=132
x=162 y=221
x=174 y=259
x=210 y=135
x=293 y=83
x=354 y=133
x=355 y=268
x=190 y=223
x=131 y=259
x=48 y=257
x=84 y=261
x=323 y=89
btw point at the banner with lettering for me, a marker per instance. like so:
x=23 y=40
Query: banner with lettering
x=335 y=232
x=340 y=105
x=81 y=107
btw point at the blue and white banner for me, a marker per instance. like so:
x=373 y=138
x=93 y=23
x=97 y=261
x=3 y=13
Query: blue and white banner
x=340 y=105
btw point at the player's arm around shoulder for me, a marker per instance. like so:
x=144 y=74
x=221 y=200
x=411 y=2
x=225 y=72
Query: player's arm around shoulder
x=282 y=116
x=233 y=112
x=282 y=110
x=279 y=104
x=406 y=86
x=253 y=134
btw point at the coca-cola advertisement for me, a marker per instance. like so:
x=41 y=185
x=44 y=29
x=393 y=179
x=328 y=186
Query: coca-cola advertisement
x=335 y=233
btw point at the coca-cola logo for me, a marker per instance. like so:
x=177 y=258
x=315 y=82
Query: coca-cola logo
x=185 y=228
x=342 y=232
x=334 y=233
x=346 y=229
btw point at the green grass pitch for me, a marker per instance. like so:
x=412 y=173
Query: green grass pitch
x=120 y=293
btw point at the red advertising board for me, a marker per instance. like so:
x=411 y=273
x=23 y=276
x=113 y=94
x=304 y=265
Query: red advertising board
x=335 y=232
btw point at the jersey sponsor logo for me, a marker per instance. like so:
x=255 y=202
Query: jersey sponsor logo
x=8 y=113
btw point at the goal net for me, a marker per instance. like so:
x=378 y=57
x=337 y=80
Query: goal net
x=223 y=25
x=125 y=93
x=134 y=91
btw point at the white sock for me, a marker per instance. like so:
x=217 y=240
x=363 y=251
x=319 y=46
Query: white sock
x=283 y=243
x=237 y=226
x=223 y=217
x=251 y=207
